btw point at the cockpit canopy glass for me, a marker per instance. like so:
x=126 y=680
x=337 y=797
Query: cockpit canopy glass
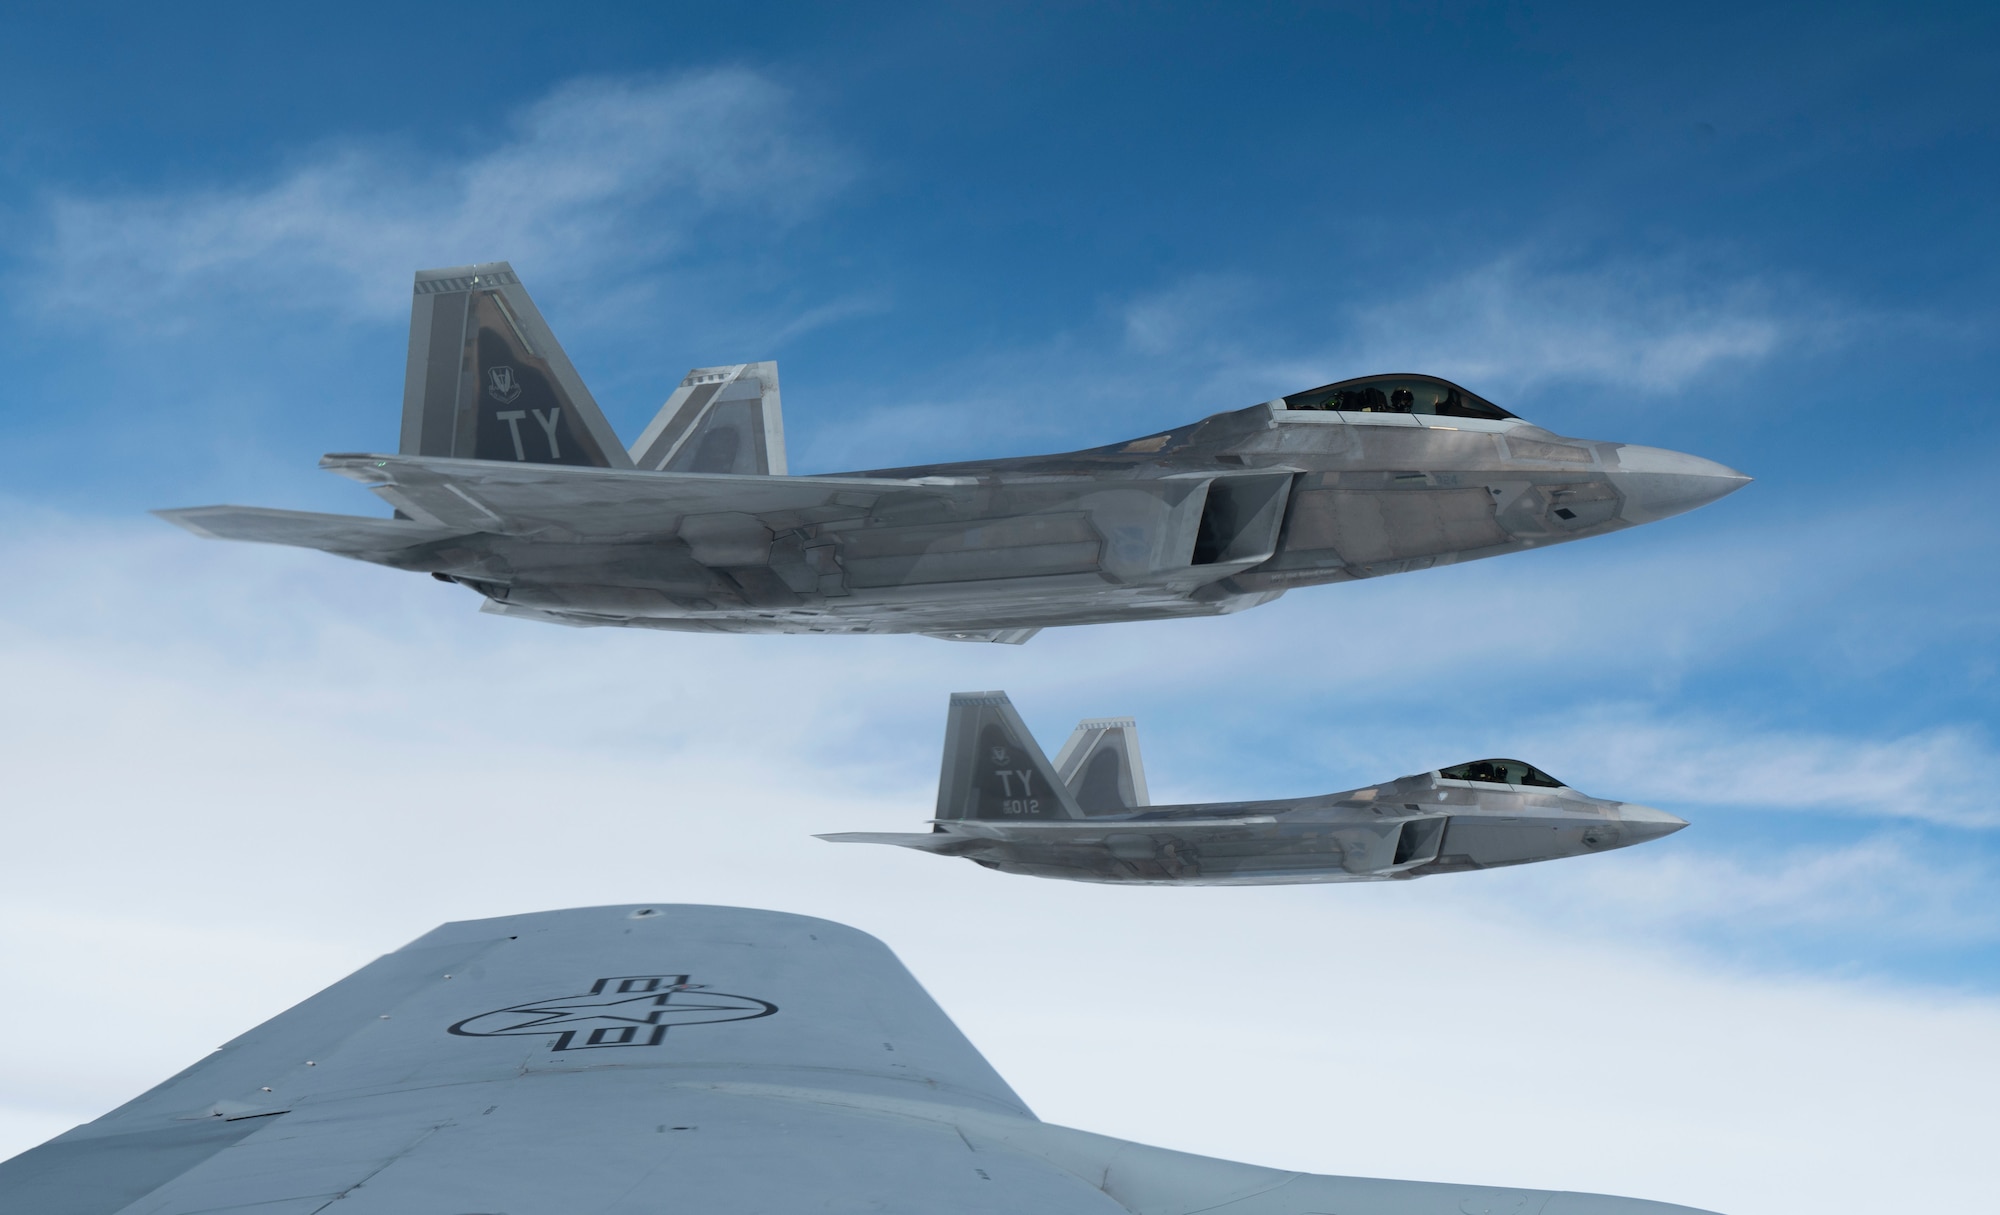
x=1502 y=772
x=1398 y=394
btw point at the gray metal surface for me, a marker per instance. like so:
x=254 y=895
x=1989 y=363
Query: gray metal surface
x=486 y=379
x=1101 y=766
x=637 y=1061
x=720 y=420
x=519 y=491
x=1087 y=818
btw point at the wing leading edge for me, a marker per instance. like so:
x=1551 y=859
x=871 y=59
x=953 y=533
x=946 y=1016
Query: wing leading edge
x=624 y=1059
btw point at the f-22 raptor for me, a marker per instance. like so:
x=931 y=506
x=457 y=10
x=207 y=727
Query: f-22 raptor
x=1087 y=816
x=510 y=482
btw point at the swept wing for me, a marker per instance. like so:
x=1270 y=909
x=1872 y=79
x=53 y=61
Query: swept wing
x=630 y=1060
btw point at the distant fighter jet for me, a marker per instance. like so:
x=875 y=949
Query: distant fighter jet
x=1087 y=817
x=648 y=1059
x=511 y=482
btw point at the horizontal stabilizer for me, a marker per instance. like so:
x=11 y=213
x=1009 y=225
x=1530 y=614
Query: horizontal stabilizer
x=1101 y=766
x=992 y=768
x=347 y=535
x=926 y=841
x=720 y=420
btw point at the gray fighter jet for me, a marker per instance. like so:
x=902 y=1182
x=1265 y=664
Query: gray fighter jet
x=1087 y=817
x=639 y=1060
x=510 y=482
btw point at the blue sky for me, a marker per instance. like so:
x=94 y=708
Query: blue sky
x=1758 y=233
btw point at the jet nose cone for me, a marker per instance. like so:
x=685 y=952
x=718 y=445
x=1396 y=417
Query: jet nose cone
x=1637 y=824
x=1658 y=483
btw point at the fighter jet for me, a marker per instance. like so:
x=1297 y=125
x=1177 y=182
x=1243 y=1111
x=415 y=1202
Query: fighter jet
x=509 y=481
x=1087 y=817
x=641 y=1059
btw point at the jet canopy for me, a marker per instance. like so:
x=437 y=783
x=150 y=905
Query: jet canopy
x=1502 y=772
x=1398 y=394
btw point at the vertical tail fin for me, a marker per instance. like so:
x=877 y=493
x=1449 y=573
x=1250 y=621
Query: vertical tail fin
x=1100 y=765
x=488 y=381
x=720 y=420
x=992 y=767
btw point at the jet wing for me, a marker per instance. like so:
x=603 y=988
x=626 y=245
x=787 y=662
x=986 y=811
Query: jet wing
x=629 y=1060
x=525 y=499
x=348 y=535
x=782 y=536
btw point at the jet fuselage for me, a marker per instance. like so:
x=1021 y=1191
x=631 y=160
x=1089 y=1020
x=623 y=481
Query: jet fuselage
x=1407 y=828
x=1087 y=816
x=1211 y=518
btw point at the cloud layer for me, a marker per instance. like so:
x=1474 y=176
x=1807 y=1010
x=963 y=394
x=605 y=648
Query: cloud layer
x=1649 y=326
x=597 y=171
x=1513 y=324
x=240 y=772
x=1883 y=886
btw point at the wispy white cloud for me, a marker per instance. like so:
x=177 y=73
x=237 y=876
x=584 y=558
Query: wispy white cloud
x=1511 y=324
x=832 y=312
x=1215 y=341
x=1686 y=757
x=1191 y=314
x=1887 y=889
x=1649 y=326
x=1940 y=774
x=1632 y=328
x=599 y=170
